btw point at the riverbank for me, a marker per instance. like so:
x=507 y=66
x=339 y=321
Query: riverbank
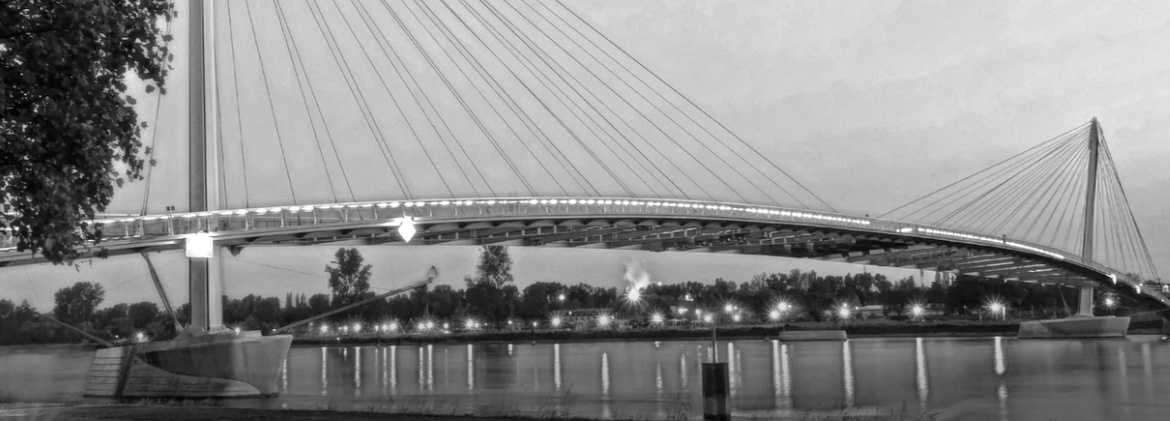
x=209 y=410
x=856 y=329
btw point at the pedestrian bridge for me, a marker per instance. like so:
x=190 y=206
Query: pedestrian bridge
x=618 y=223
x=520 y=123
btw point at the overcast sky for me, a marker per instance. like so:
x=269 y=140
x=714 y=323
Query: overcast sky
x=870 y=104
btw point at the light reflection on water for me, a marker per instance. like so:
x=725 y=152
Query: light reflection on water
x=975 y=378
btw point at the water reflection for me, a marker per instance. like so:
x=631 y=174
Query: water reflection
x=847 y=369
x=606 y=412
x=732 y=375
x=430 y=367
x=1000 y=371
x=1000 y=367
x=781 y=377
x=557 y=366
x=357 y=371
x=952 y=377
x=470 y=367
x=324 y=372
x=921 y=374
x=1123 y=368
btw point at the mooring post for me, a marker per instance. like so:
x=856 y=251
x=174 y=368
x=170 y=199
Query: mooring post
x=715 y=391
x=715 y=384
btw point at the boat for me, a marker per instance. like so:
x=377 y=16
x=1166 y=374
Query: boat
x=1076 y=326
x=196 y=364
x=812 y=335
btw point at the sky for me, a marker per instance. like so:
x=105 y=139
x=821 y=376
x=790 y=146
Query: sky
x=870 y=104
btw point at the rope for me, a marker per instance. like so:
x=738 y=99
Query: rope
x=271 y=107
x=371 y=27
x=313 y=93
x=689 y=101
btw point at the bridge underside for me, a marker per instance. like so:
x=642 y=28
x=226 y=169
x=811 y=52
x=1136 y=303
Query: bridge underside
x=662 y=228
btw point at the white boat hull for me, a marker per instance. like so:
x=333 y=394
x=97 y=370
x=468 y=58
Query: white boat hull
x=204 y=366
x=1075 y=327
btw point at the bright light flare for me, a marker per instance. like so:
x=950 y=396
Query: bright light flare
x=707 y=319
x=555 y=322
x=917 y=310
x=634 y=295
x=657 y=318
x=604 y=320
x=735 y=318
x=324 y=328
x=844 y=312
x=774 y=315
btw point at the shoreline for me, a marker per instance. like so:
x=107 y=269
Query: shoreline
x=874 y=329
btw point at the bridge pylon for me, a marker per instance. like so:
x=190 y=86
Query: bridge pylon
x=204 y=272
x=1085 y=303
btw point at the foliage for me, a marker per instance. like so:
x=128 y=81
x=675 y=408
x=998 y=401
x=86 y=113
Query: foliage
x=349 y=280
x=68 y=129
x=6 y=307
x=78 y=302
x=495 y=266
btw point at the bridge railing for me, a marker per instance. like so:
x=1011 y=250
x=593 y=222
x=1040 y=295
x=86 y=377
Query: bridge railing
x=133 y=228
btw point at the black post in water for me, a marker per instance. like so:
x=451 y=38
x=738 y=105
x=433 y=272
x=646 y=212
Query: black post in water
x=715 y=392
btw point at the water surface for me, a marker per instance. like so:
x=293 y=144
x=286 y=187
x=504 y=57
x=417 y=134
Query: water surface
x=957 y=378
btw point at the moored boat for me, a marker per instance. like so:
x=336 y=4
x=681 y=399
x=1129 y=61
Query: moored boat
x=193 y=365
x=1075 y=327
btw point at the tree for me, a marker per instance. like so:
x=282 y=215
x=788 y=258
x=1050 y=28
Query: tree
x=349 y=280
x=6 y=307
x=143 y=313
x=495 y=266
x=68 y=129
x=319 y=303
x=77 y=303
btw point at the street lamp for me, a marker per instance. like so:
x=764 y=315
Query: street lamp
x=916 y=311
x=996 y=307
x=1109 y=303
x=774 y=315
x=844 y=312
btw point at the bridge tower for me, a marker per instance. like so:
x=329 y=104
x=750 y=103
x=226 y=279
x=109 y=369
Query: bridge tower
x=1085 y=305
x=204 y=273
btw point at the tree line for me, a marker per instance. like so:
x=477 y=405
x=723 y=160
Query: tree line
x=492 y=298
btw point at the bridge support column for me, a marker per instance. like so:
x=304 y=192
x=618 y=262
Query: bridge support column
x=206 y=290
x=1085 y=304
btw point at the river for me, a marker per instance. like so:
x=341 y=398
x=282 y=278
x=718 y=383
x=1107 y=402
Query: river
x=956 y=378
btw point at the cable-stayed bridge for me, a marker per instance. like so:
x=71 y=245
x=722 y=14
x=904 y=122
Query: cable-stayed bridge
x=519 y=123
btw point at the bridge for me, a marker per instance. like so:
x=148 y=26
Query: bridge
x=519 y=123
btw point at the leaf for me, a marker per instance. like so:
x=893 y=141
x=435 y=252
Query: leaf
x=149 y=88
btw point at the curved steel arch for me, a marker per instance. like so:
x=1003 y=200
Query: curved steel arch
x=632 y=223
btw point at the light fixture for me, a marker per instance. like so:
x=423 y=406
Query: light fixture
x=200 y=245
x=406 y=229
